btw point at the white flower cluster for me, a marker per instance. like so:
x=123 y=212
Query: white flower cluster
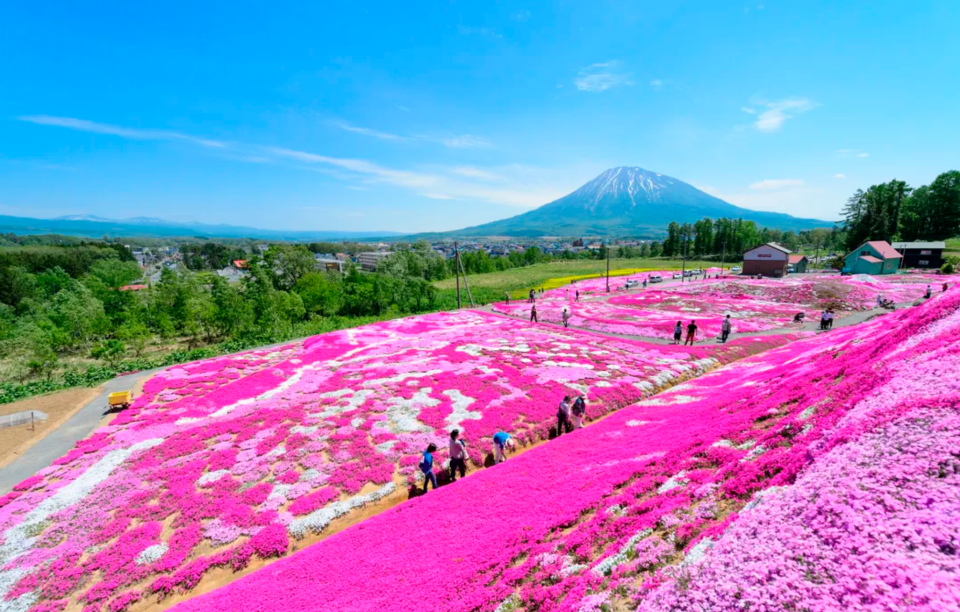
x=677 y=480
x=607 y=565
x=317 y=521
x=151 y=554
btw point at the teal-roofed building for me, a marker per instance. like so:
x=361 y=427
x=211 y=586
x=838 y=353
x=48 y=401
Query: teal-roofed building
x=874 y=257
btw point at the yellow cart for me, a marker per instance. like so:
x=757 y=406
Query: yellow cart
x=120 y=400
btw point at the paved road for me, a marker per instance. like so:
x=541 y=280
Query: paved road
x=58 y=442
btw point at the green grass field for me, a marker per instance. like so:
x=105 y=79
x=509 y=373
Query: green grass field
x=953 y=246
x=524 y=279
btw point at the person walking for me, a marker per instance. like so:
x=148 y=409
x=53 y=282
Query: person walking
x=426 y=466
x=563 y=415
x=944 y=286
x=458 y=456
x=829 y=318
x=725 y=328
x=928 y=293
x=678 y=332
x=566 y=294
x=691 y=333
x=579 y=410
x=823 y=320
x=879 y=300
x=578 y=296
x=508 y=298
x=566 y=317
x=532 y=298
x=500 y=441
x=533 y=314
x=644 y=283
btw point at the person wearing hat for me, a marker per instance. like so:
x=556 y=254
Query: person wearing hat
x=500 y=441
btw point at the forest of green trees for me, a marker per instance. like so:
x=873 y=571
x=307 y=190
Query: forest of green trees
x=713 y=238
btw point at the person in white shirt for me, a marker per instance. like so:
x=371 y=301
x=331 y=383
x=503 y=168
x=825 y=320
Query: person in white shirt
x=563 y=415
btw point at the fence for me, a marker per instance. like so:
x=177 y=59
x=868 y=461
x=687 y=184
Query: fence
x=21 y=418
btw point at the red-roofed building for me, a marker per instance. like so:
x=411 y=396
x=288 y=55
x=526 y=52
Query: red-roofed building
x=133 y=287
x=797 y=264
x=874 y=257
x=240 y=264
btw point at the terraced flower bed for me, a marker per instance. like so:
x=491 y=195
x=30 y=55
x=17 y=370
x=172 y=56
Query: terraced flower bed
x=822 y=475
x=224 y=461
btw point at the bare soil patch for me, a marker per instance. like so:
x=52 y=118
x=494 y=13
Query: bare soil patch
x=59 y=406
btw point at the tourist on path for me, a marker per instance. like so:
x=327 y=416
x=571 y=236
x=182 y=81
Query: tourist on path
x=533 y=314
x=500 y=441
x=426 y=466
x=566 y=294
x=678 y=332
x=458 y=456
x=578 y=296
x=508 y=297
x=563 y=415
x=532 y=298
x=879 y=300
x=944 y=286
x=566 y=317
x=928 y=293
x=691 y=333
x=823 y=320
x=579 y=410
x=829 y=318
x=725 y=328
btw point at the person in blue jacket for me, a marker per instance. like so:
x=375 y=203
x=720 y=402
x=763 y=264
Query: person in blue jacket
x=500 y=441
x=426 y=466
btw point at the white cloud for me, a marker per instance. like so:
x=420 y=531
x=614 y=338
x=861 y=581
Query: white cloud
x=601 y=77
x=839 y=176
x=466 y=141
x=863 y=155
x=656 y=83
x=748 y=110
x=777 y=184
x=778 y=111
x=471 y=172
x=851 y=153
x=83 y=125
x=368 y=132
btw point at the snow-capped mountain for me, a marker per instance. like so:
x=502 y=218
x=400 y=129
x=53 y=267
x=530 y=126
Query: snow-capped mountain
x=630 y=201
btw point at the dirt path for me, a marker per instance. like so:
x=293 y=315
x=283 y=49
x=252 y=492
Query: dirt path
x=59 y=407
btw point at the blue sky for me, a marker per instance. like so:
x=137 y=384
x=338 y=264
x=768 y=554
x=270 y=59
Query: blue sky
x=413 y=116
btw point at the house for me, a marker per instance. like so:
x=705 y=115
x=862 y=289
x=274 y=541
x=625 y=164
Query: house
x=769 y=259
x=138 y=287
x=797 y=264
x=240 y=264
x=330 y=264
x=369 y=261
x=921 y=254
x=874 y=257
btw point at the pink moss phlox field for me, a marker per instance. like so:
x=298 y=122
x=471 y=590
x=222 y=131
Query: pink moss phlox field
x=822 y=475
x=227 y=459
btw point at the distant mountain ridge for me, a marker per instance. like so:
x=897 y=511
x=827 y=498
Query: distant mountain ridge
x=92 y=226
x=630 y=201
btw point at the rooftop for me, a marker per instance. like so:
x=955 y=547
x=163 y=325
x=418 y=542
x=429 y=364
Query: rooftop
x=919 y=245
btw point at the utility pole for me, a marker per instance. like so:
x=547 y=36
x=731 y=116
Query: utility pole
x=465 y=283
x=683 y=255
x=456 y=255
x=608 y=267
x=723 y=257
x=816 y=259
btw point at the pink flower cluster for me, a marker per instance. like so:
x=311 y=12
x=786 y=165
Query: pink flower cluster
x=223 y=460
x=845 y=441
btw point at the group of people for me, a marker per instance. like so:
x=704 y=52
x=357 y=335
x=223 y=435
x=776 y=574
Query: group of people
x=826 y=319
x=570 y=415
x=691 y=333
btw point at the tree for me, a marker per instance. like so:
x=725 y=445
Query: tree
x=134 y=334
x=322 y=293
x=111 y=351
x=289 y=263
x=115 y=273
x=78 y=314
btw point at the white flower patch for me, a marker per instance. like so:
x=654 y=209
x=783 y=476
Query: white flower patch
x=384 y=448
x=151 y=554
x=459 y=412
x=17 y=540
x=807 y=413
x=213 y=476
x=698 y=552
x=607 y=565
x=753 y=454
x=603 y=383
x=357 y=399
x=635 y=423
x=317 y=521
x=306 y=431
x=568 y=364
x=729 y=444
x=403 y=413
x=759 y=496
x=677 y=480
x=8 y=579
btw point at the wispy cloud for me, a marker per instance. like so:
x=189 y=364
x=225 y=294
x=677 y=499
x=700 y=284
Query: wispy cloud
x=367 y=131
x=471 y=172
x=467 y=141
x=83 y=125
x=656 y=83
x=458 y=183
x=521 y=15
x=846 y=153
x=777 y=184
x=839 y=176
x=602 y=76
x=775 y=113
